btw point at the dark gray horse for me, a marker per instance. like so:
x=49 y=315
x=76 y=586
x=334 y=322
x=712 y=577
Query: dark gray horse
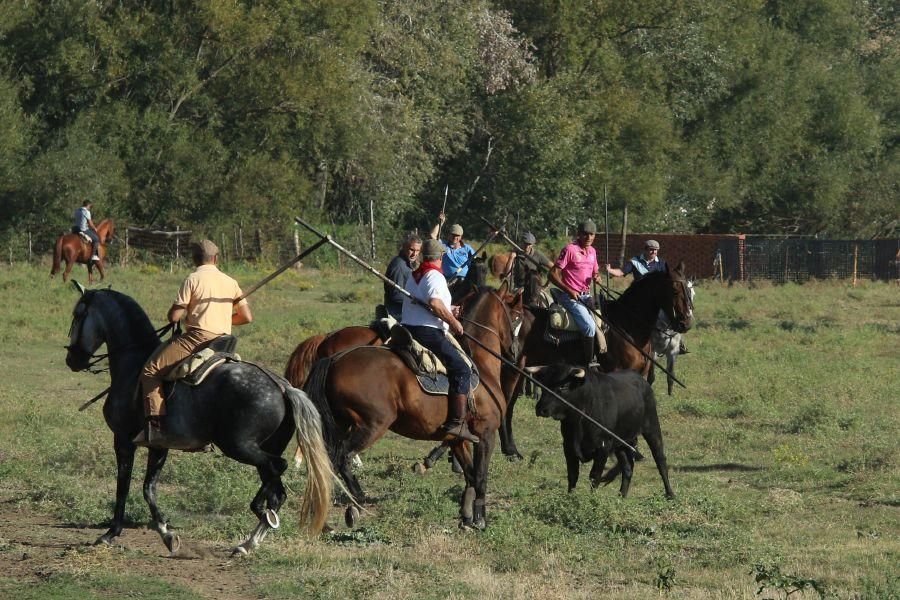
x=248 y=412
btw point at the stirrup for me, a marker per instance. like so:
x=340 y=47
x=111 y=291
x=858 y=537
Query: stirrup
x=460 y=430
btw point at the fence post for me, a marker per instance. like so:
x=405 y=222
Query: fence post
x=855 y=262
x=224 y=249
x=125 y=257
x=29 y=247
x=372 y=225
x=241 y=237
x=297 y=265
x=177 y=243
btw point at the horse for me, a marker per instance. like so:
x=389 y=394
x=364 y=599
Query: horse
x=633 y=315
x=72 y=248
x=364 y=391
x=499 y=263
x=667 y=342
x=244 y=409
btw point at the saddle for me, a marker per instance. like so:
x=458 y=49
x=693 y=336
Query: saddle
x=85 y=237
x=561 y=326
x=196 y=367
x=425 y=365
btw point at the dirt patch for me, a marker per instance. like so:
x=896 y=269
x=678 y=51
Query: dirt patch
x=35 y=546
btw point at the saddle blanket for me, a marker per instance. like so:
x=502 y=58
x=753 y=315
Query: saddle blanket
x=428 y=369
x=196 y=367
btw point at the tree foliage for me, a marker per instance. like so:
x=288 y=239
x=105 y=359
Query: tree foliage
x=766 y=116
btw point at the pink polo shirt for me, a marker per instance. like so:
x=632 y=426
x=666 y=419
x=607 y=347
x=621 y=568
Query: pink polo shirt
x=578 y=266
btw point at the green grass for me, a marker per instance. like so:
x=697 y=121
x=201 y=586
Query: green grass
x=783 y=453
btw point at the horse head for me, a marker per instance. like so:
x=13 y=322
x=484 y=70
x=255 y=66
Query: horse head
x=106 y=231
x=87 y=332
x=501 y=313
x=681 y=308
x=478 y=269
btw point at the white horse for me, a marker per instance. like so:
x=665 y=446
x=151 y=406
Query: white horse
x=667 y=342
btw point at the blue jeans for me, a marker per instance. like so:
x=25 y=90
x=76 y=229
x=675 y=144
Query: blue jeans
x=459 y=374
x=579 y=310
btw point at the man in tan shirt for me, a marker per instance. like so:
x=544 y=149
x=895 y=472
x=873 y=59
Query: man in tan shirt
x=206 y=301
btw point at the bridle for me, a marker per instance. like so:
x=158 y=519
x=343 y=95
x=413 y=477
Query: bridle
x=90 y=358
x=513 y=323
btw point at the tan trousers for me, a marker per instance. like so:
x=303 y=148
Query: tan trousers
x=162 y=362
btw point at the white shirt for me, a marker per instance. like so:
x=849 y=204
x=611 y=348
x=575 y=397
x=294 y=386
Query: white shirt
x=432 y=285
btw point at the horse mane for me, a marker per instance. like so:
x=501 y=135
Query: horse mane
x=130 y=313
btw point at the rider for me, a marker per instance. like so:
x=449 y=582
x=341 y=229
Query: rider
x=82 y=223
x=521 y=267
x=457 y=253
x=642 y=264
x=206 y=300
x=398 y=271
x=428 y=285
x=573 y=273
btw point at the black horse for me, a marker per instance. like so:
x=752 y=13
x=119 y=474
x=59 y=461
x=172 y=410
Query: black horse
x=245 y=410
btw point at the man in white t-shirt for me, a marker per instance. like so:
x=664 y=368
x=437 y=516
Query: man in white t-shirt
x=429 y=328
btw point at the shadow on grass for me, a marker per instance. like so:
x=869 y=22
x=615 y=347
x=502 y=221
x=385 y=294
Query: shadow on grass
x=716 y=467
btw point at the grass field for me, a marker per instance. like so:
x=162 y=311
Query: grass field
x=783 y=453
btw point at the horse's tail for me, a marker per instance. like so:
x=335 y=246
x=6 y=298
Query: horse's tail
x=315 y=387
x=302 y=359
x=57 y=256
x=319 y=474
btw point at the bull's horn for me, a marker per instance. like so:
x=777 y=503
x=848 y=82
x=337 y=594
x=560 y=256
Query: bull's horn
x=578 y=373
x=79 y=287
x=534 y=370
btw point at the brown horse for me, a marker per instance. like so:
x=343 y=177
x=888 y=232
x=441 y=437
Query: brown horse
x=633 y=314
x=324 y=345
x=72 y=248
x=367 y=390
x=498 y=263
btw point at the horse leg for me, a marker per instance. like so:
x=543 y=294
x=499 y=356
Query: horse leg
x=156 y=459
x=124 y=465
x=467 y=500
x=507 y=442
x=670 y=364
x=70 y=262
x=101 y=270
x=265 y=504
x=483 y=451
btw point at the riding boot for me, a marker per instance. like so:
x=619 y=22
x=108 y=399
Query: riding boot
x=682 y=349
x=456 y=419
x=151 y=434
x=587 y=350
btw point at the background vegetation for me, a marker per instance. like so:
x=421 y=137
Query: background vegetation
x=758 y=116
x=783 y=452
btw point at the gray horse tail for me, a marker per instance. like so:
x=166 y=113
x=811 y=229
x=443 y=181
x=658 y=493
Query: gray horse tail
x=320 y=476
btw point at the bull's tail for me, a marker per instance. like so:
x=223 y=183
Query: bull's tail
x=57 y=256
x=320 y=476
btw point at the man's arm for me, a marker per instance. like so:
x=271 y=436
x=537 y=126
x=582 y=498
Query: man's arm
x=242 y=315
x=433 y=234
x=445 y=315
x=176 y=313
x=614 y=271
x=556 y=278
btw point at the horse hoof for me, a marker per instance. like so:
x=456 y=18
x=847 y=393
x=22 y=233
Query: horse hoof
x=103 y=540
x=479 y=524
x=514 y=457
x=351 y=516
x=419 y=469
x=356 y=462
x=272 y=519
x=465 y=525
x=239 y=551
x=172 y=542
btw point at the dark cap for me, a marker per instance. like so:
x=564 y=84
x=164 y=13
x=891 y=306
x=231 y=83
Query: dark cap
x=587 y=227
x=432 y=249
x=528 y=238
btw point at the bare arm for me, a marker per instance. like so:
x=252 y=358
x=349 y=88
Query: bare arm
x=614 y=271
x=433 y=234
x=445 y=315
x=556 y=278
x=242 y=316
x=176 y=313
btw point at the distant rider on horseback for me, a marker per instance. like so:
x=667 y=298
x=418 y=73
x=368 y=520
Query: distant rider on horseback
x=206 y=301
x=429 y=285
x=573 y=273
x=84 y=224
x=519 y=265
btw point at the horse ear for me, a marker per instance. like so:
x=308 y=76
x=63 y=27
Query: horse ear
x=679 y=270
x=484 y=255
x=79 y=287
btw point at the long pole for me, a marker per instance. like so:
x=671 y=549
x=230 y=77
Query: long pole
x=606 y=223
x=443 y=209
x=282 y=269
x=476 y=341
x=619 y=330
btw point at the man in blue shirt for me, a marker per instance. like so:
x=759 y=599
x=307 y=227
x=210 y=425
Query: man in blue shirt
x=457 y=253
x=82 y=223
x=642 y=264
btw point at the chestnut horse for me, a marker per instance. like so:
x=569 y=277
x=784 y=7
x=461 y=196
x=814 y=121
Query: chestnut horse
x=367 y=390
x=72 y=248
x=634 y=314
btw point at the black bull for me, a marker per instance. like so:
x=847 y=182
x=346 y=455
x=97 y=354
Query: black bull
x=622 y=401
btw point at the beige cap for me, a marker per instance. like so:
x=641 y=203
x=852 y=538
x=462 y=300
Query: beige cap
x=651 y=245
x=432 y=250
x=207 y=248
x=456 y=229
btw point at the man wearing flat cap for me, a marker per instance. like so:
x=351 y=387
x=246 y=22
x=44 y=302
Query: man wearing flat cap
x=457 y=253
x=207 y=302
x=429 y=328
x=573 y=273
x=642 y=264
x=523 y=267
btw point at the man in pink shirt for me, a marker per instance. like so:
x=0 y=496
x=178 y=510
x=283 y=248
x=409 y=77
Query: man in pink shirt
x=573 y=273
